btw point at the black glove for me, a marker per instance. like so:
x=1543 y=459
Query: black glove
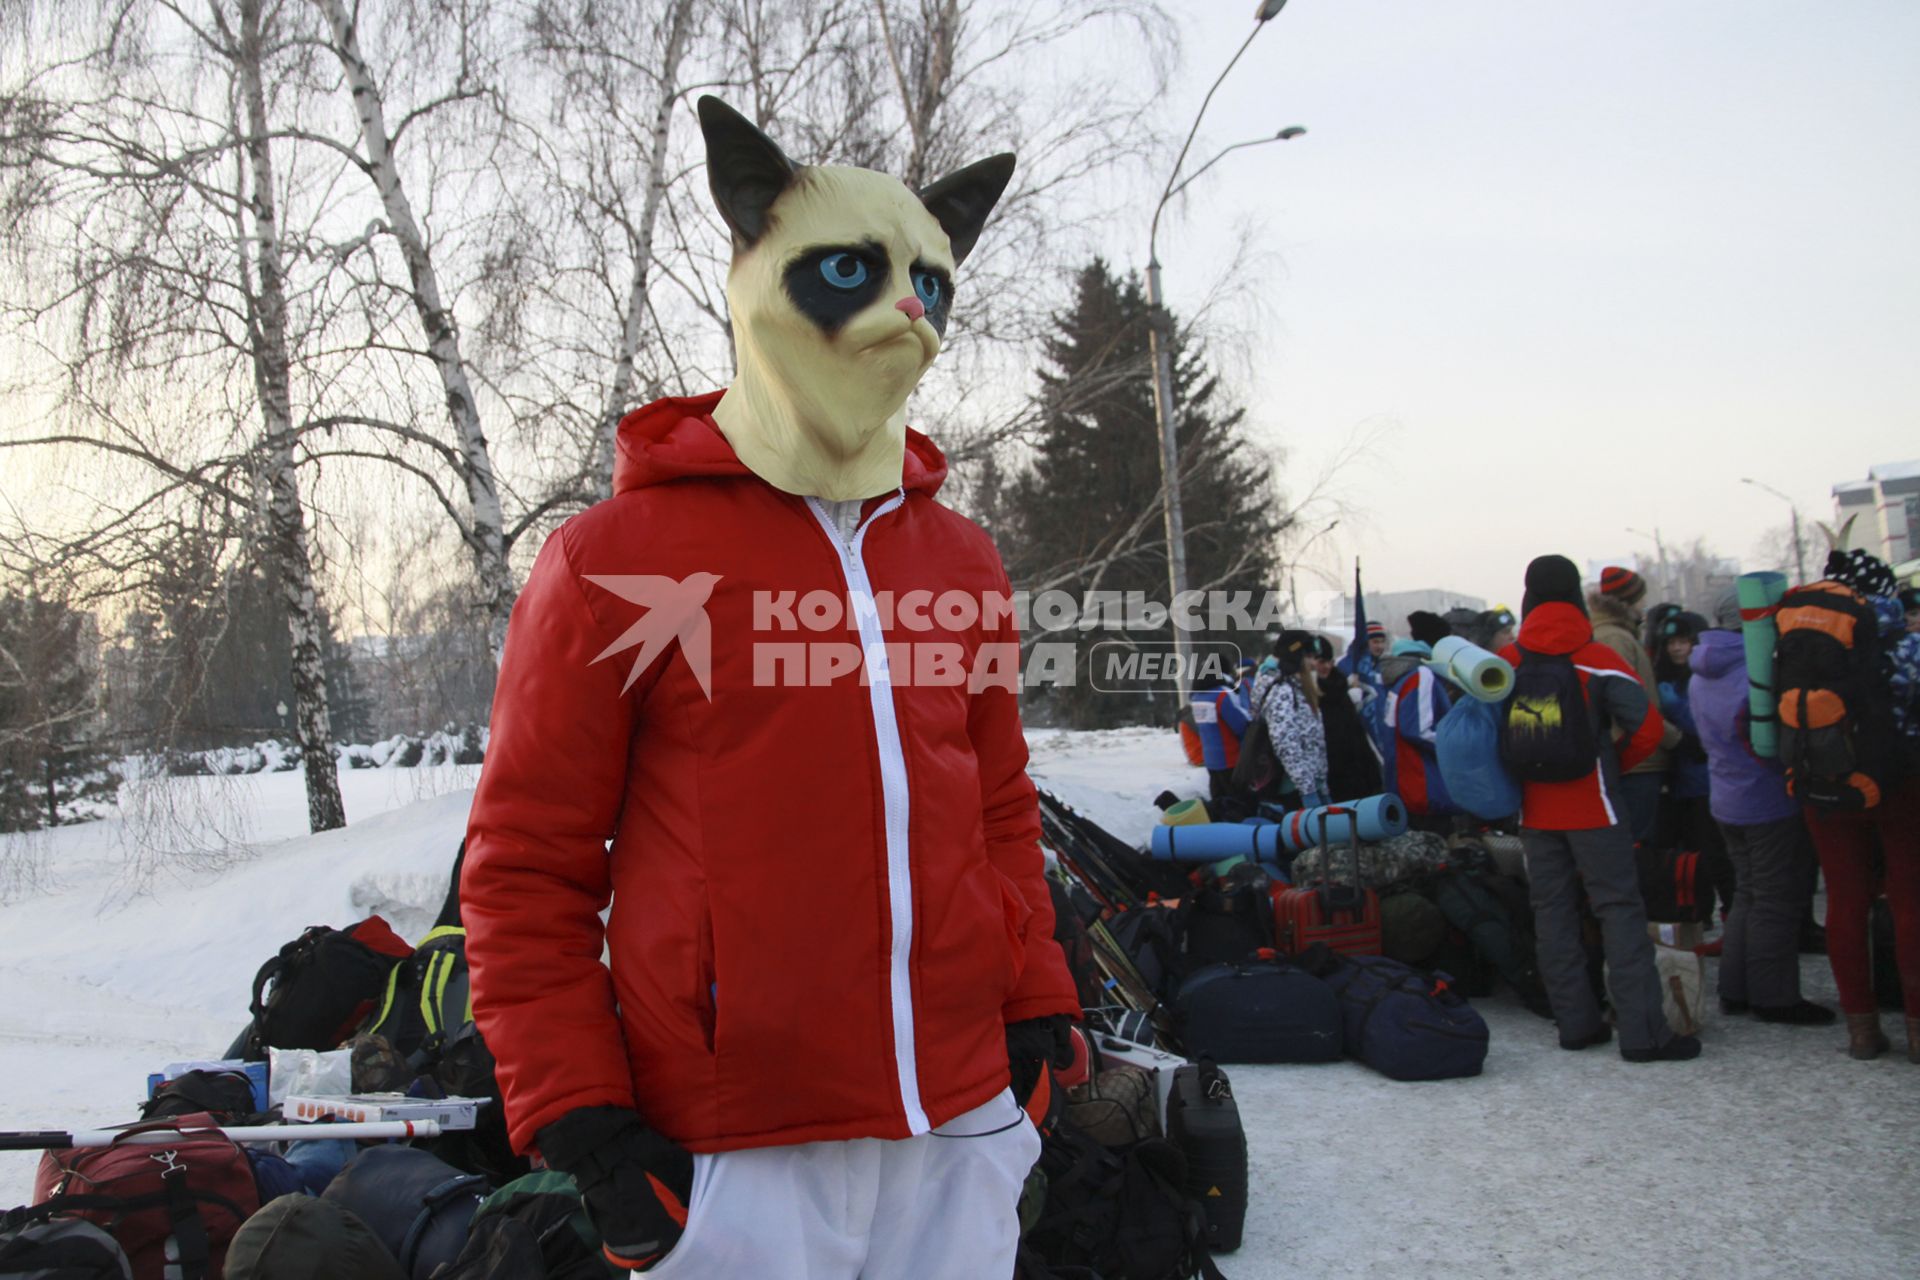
x=1034 y=1044
x=635 y=1182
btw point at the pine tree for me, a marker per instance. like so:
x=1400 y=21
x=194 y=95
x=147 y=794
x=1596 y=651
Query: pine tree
x=53 y=766
x=1086 y=513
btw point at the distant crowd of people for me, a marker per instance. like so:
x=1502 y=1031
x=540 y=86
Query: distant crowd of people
x=1643 y=738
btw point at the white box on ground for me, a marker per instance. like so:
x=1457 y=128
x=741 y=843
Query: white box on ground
x=358 y=1108
x=1155 y=1062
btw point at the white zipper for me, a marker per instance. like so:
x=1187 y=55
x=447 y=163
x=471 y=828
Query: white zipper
x=893 y=797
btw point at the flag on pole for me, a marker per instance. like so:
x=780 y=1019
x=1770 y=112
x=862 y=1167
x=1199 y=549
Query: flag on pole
x=1357 y=648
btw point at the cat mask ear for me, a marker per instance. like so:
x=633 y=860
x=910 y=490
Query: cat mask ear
x=961 y=201
x=745 y=170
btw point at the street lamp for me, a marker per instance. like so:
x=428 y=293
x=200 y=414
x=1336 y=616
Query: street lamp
x=1160 y=343
x=1799 y=549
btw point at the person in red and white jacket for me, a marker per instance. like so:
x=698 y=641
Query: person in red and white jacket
x=756 y=740
x=1574 y=835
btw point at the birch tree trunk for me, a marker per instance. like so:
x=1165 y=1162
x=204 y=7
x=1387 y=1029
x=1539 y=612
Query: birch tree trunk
x=286 y=522
x=485 y=533
x=679 y=22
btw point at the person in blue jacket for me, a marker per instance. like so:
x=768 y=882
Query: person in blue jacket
x=1204 y=705
x=1405 y=722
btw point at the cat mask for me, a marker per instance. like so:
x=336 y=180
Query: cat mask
x=840 y=290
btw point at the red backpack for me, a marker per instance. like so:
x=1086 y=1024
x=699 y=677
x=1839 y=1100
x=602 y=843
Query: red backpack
x=173 y=1206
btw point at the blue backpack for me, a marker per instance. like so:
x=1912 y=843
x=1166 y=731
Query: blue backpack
x=1468 y=746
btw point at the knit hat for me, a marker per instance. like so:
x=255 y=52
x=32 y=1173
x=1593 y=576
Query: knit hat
x=1863 y=571
x=1412 y=648
x=1428 y=628
x=1624 y=585
x=1552 y=580
x=1323 y=648
x=1726 y=611
x=1375 y=629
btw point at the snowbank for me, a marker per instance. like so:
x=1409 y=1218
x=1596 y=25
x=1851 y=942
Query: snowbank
x=1773 y=1155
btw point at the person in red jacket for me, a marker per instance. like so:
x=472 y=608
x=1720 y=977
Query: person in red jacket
x=753 y=745
x=1573 y=828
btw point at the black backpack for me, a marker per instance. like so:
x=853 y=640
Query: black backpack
x=318 y=988
x=1546 y=730
x=1230 y=917
x=1124 y=1215
x=225 y=1095
x=1836 y=728
x=61 y=1249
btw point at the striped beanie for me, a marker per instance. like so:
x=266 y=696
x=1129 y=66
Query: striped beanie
x=1375 y=629
x=1624 y=585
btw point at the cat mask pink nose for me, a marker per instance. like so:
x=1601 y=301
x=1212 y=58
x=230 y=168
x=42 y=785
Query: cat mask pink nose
x=912 y=306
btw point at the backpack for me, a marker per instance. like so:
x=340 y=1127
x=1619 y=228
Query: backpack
x=423 y=1028
x=543 y=1209
x=418 y=1205
x=1154 y=938
x=1467 y=746
x=1118 y=1107
x=1836 y=728
x=318 y=988
x=1259 y=764
x=173 y=1208
x=1123 y=1214
x=1412 y=928
x=225 y=1095
x=1230 y=917
x=1674 y=885
x=60 y=1249
x=1498 y=921
x=1070 y=931
x=1546 y=730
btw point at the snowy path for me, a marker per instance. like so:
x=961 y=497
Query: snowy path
x=1774 y=1155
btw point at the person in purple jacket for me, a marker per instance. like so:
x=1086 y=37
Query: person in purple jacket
x=1760 y=964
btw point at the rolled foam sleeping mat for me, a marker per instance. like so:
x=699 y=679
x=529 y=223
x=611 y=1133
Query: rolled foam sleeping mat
x=1185 y=813
x=1760 y=595
x=1212 y=841
x=1379 y=817
x=1484 y=675
x=1258 y=821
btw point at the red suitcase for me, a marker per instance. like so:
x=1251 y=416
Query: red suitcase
x=1345 y=917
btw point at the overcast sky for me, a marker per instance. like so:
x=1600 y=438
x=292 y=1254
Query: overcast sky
x=1593 y=262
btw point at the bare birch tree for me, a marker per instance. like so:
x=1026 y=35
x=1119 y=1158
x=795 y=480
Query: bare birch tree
x=162 y=200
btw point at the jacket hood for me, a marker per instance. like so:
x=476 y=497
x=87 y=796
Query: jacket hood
x=676 y=437
x=1398 y=667
x=1717 y=653
x=1555 y=627
x=1608 y=611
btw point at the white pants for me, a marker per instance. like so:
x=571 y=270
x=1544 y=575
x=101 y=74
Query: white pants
x=942 y=1206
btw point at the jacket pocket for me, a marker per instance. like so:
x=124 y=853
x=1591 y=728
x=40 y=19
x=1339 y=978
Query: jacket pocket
x=706 y=996
x=1016 y=915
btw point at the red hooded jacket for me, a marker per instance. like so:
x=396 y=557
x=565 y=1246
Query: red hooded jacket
x=826 y=886
x=1619 y=704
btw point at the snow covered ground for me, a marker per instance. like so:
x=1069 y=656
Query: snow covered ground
x=1772 y=1155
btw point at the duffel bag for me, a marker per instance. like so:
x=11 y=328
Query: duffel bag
x=416 y=1203
x=1258 y=1011
x=1403 y=1023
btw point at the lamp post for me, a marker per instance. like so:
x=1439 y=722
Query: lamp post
x=1799 y=548
x=1160 y=345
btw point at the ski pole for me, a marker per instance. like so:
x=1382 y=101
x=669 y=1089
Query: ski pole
x=60 y=1139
